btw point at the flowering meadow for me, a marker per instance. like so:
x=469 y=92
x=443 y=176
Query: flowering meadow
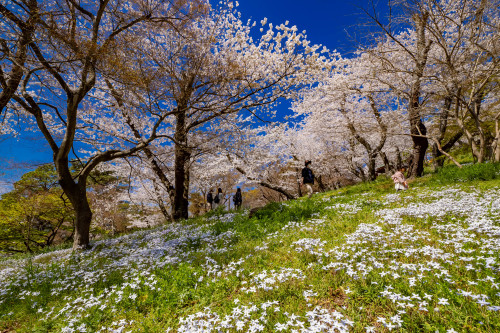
x=359 y=259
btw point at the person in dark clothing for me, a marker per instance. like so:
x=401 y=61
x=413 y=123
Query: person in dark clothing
x=308 y=178
x=237 y=199
x=210 y=198
x=218 y=199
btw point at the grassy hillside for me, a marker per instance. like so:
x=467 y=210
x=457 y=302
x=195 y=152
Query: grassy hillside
x=362 y=258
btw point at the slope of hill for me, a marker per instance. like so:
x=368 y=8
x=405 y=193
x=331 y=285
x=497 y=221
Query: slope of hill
x=358 y=259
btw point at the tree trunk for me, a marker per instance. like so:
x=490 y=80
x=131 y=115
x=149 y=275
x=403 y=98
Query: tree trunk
x=496 y=140
x=83 y=219
x=299 y=187
x=77 y=195
x=278 y=189
x=372 y=172
x=159 y=200
x=181 y=169
x=399 y=159
x=417 y=130
x=420 y=145
x=417 y=127
x=474 y=111
x=387 y=165
x=443 y=125
x=321 y=185
x=181 y=202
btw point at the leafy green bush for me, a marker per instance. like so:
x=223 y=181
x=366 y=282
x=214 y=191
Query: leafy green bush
x=480 y=171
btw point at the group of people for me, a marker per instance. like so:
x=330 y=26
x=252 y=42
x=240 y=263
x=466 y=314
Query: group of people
x=400 y=183
x=217 y=200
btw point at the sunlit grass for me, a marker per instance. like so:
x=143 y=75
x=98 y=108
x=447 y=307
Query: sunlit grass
x=349 y=258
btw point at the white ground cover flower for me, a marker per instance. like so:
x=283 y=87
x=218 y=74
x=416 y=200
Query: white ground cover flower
x=402 y=254
x=253 y=318
x=213 y=269
x=311 y=246
x=268 y=280
x=135 y=257
x=350 y=208
x=309 y=225
x=396 y=249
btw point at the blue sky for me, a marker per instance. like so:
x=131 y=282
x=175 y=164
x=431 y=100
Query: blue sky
x=335 y=24
x=325 y=21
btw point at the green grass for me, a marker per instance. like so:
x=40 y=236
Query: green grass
x=265 y=242
x=483 y=171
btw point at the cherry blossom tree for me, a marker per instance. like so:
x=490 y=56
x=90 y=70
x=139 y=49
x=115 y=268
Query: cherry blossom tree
x=402 y=53
x=77 y=43
x=466 y=51
x=443 y=61
x=206 y=74
x=16 y=30
x=354 y=111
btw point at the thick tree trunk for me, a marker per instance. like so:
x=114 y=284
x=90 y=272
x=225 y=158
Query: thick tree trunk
x=82 y=226
x=418 y=131
x=420 y=145
x=181 y=201
x=77 y=195
x=181 y=169
x=417 y=127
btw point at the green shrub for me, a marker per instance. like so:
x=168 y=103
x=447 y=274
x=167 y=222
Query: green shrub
x=480 y=171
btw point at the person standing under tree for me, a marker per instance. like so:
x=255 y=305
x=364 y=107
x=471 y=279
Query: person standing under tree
x=218 y=199
x=237 y=199
x=308 y=178
x=210 y=199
